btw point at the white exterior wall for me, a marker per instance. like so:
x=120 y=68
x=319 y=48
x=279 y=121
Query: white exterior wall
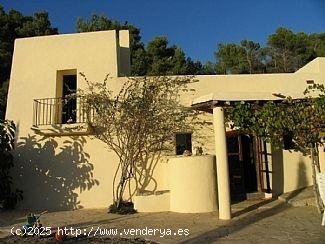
x=76 y=170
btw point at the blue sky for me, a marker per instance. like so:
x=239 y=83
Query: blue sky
x=195 y=25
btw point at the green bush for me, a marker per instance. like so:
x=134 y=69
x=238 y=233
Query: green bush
x=8 y=196
x=124 y=208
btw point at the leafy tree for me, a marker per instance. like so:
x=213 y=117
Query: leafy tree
x=285 y=51
x=301 y=120
x=138 y=124
x=169 y=60
x=159 y=56
x=290 y=51
x=303 y=51
x=231 y=59
x=8 y=25
x=3 y=102
x=281 y=45
x=252 y=55
x=318 y=44
x=8 y=197
x=178 y=62
x=38 y=25
x=194 y=67
x=209 y=68
x=240 y=58
x=96 y=23
x=140 y=63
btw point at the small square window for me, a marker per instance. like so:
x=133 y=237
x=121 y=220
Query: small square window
x=183 y=143
x=288 y=142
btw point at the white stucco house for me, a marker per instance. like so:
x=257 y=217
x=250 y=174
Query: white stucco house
x=59 y=165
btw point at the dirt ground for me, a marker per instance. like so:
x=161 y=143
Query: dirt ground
x=253 y=222
x=93 y=240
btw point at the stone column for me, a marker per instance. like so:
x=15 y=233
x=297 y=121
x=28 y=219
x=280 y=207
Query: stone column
x=222 y=163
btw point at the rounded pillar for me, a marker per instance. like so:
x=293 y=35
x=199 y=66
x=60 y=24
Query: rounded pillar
x=222 y=163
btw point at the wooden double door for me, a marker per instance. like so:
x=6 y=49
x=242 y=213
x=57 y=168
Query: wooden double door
x=248 y=166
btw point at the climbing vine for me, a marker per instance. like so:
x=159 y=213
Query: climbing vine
x=302 y=121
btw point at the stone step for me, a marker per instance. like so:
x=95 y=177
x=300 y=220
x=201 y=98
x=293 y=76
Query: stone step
x=255 y=195
x=271 y=204
x=298 y=198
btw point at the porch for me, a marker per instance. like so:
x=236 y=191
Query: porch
x=227 y=171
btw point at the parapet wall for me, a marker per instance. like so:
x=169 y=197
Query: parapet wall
x=192 y=187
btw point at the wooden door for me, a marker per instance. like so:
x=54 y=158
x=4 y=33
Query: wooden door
x=263 y=165
x=236 y=169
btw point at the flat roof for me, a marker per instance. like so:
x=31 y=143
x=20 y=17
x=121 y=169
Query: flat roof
x=208 y=101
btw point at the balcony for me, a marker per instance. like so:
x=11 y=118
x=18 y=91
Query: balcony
x=60 y=115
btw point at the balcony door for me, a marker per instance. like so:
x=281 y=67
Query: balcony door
x=69 y=101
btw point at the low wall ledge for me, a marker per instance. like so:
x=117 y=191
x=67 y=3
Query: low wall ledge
x=62 y=129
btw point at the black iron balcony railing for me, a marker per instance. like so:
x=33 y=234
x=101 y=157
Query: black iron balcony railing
x=66 y=110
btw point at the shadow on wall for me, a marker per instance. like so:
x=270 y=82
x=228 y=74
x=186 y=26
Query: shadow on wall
x=277 y=171
x=278 y=174
x=301 y=174
x=51 y=174
x=146 y=183
x=301 y=180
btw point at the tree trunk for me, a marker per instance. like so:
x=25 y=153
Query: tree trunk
x=126 y=175
x=121 y=186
